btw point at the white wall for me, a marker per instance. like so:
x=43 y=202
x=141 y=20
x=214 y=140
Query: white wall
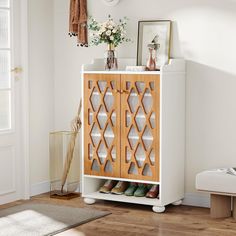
x=41 y=87
x=203 y=33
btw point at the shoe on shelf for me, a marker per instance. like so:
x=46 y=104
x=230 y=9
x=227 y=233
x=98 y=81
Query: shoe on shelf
x=108 y=186
x=120 y=188
x=131 y=189
x=141 y=190
x=153 y=192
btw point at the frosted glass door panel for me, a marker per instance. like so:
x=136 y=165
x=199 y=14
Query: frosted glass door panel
x=4 y=3
x=140 y=116
x=5 y=110
x=102 y=126
x=5 y=65
x=4 y=28
x=5 y=76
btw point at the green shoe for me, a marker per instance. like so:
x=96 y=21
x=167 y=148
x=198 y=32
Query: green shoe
x=131 y=189
x=141 y=190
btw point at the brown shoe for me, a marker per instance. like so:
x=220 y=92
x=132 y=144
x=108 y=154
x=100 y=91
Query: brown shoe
x=107 y=187
x=153 y=192
x=120 y=187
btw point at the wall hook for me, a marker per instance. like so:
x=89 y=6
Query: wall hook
x=110 y=3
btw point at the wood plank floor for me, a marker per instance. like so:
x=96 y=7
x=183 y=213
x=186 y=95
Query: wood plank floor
x=130 y=219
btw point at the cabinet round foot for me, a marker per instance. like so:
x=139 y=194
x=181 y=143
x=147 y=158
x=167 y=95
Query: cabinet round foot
x=158 y=209
x=177 y=203
x=89 y=201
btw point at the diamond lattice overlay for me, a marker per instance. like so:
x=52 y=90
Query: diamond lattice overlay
x=113 y=153
x=127 y=154
x=90 y=149
x=109 y=99
x=133 y=169
x=90 y=84
x=147 y=101
x=140 y=155
x=139 y=116
x=95 y=134
x=102 y=85
x=113 y=118
x=95 y=166
x=147 y=138
x=140 y=86
x=90 y=120
x=95 y=99
x=133 y=100
x=109 y=135
x=102 y=117
x=152 y=85
x=152 y=120
x=127 y=118
x=128 y=84
x=113 y=84
x=102 y=152
x=147 y=170
x=152 y=157
x=133 y=137
x=108 y=166
x=102 y=147
x=140 y=119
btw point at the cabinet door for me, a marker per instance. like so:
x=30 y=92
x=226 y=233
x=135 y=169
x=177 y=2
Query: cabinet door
x=140 y=126
x=102 y=125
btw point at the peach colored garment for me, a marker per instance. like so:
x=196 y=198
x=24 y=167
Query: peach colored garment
x=78 y=21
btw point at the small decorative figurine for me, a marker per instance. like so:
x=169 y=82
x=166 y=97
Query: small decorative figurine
x=153 y=47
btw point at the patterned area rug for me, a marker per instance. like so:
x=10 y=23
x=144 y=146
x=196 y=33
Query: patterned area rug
x=36 y=219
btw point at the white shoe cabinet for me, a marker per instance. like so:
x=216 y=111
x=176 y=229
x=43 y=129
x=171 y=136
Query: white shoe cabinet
x=134 y=130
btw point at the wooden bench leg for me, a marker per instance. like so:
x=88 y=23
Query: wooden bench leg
x=234 y=207
x=220 y=206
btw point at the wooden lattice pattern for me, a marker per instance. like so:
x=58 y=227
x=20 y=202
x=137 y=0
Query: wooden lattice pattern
x=121 y=115
x=102 y=125
x=140 y=127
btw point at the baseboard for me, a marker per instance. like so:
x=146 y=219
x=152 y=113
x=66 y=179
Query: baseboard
x=190 y=199
x=196 y=199
x=39 y=188
x=44 y=187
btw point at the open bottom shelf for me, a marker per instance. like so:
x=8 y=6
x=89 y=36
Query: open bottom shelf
x=121 y=179
x=123 y=198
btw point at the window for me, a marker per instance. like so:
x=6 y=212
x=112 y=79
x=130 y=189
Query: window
x=5 y=66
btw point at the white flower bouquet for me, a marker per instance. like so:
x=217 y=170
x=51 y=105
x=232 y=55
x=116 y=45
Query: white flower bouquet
x=108 y=32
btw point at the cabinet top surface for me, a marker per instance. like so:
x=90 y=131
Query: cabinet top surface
x=97 y=67
x=122 y=72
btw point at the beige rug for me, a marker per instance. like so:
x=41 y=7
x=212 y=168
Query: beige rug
x=36 y=219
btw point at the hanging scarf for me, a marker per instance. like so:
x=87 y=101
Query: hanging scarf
x=78 y=21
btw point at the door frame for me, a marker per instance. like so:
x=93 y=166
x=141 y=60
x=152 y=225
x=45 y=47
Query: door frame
x=25 y=97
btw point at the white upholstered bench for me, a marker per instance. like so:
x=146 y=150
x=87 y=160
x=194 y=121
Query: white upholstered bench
x=222 y=187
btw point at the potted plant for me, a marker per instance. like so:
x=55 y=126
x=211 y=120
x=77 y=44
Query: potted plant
x=111 y=33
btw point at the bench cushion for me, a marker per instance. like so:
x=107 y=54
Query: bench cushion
x=216 y=181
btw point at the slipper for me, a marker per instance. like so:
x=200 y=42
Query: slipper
x=141 y=190
x=120 y=187
x=153 y=192
x=107 y=187
x=131 y=189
